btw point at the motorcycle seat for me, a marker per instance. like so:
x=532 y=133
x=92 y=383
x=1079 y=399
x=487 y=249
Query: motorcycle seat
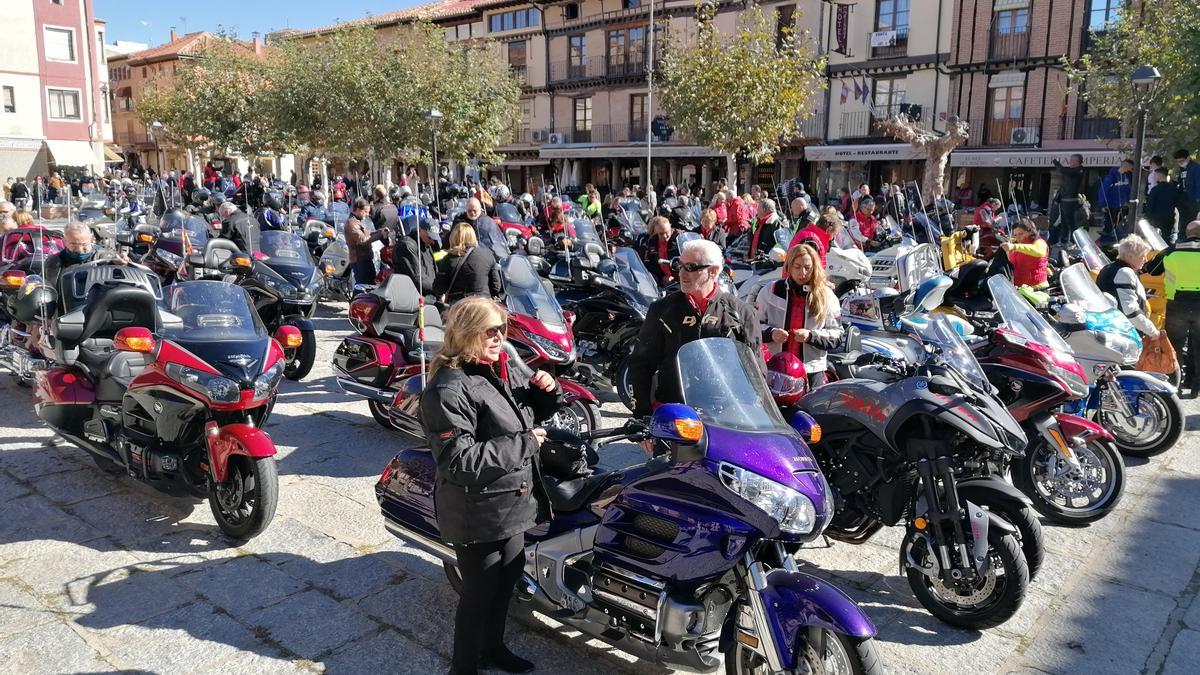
x=406 y=335
x=572 y=495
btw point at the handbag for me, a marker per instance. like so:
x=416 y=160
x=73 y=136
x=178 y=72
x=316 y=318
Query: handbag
x=1158 y=356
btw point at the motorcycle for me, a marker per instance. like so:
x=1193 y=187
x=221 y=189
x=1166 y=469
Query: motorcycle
x=516 y=229
x=891 y=451
x=170 y=393
x=23 y=253
x=283 y=284
x=632 y=557
x=177 y=251
x=1071 y=470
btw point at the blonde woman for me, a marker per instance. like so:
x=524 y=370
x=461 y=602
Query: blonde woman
x=479 y=425
x=800 y=314
x=468 y=269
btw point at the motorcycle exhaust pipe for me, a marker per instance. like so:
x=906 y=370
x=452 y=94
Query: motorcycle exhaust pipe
x=357 y=388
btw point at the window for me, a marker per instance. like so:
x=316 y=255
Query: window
x=60 y=44
x=143 y=72
x=517 y=53
x=893 y=15
x=63 y=104
x=583 y=114
x=616 y=46
x=1008 y=103
x=100 y=39
x=124 y=104
x=637 y=112
x=1012 y=21
x=514 y=20
x=631 y=4
x=626 y=51
x=570 y=11
x=1104 y=13
x=888 y=95
x=8 y=96
x=107 y=109
x=576 y=50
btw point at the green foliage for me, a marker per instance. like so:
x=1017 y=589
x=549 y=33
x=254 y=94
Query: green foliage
x=347 y=94
x=745 y=93
x=1162 y=34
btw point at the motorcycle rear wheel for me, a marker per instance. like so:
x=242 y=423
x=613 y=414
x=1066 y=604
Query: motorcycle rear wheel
x=245 y=503
x=1098 y=455
x=843 y=654
x=380 y=412
x=1004 y=585
x=1165 y=424
x=623 y=383
x=301 y=359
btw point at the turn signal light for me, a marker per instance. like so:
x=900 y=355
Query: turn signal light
x=690 y=430
x=14 y=278
x=145 y=237
x=329 y=270
x=920 y=523
x=292 y=340
x=329 y=234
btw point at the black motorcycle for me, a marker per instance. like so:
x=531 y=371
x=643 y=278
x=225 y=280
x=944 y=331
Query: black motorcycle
x=892 y=452
x=284 y=283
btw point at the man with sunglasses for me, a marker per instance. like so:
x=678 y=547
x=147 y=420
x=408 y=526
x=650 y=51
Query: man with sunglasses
x=700 y=309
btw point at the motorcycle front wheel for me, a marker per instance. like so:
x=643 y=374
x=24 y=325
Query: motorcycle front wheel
x=842 y=654
x=986 y=601
x=1067 y=496
x=577 y=417
x=300 y=360
x=1154 y=428
x=245 y=503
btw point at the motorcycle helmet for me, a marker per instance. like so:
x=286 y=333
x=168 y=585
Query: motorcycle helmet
x=405 y=192
x=527 y=198
x=787 y=378
x=129 y=191
x=273 y=200
x=394 y=194
x=317 y=197
x=200 y=195
x=216 y=199
x=172 y=220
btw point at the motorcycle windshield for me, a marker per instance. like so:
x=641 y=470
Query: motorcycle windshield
x=632 y=217
x=527 y=296
x=1093 y=257
x=685 y=237
x=277 y=247
x=1020 y=317
x=339 y=212
x=507 y=213
x=210 y=311
x=490 y=237
x=723 y=381
x=1079 y=287
x=632 y=274
x=197 y=230
x=1151 y=235
x=22 y=243
x=939 y=332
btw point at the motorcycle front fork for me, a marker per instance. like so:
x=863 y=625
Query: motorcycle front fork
x=944 y=516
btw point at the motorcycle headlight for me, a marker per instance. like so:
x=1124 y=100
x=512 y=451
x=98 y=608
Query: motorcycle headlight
x=284 y=288
x=215 y=387
x=1129 y=350
x=551 y=347
x=794 y=512
x=1074 y=382
x=266 y=383
x=169 y=258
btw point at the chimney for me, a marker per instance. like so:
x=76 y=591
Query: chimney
x=257 y=43
x=173 y=37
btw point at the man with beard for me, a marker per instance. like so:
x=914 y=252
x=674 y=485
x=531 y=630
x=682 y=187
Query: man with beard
x=699 y=309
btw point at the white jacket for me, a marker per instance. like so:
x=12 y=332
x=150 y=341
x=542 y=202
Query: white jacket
x=772 y=304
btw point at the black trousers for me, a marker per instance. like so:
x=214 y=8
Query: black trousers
x=1183 y=324
x=364 y=271
x=1068 y=215
x=489 y=572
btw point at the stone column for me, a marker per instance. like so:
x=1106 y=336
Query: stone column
x=673 y=171
x=706 y=178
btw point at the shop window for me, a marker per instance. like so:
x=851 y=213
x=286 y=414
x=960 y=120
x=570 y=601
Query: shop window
x=570 y=11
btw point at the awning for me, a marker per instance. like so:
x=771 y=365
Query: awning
x=861 y=153
x=111 y=154
x=124 y=92
x=72 y=153
x=521 y=162
x=1030 y=158
x=577 y=151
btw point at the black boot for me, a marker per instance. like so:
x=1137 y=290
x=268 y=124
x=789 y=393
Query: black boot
x=505 y=660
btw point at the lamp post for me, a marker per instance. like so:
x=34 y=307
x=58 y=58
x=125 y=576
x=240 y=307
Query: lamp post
x=435 y=118
x=1145 y=81
x=155 y=128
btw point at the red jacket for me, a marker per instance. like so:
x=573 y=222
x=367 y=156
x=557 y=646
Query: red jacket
x=1030 y=270
x=984 y=217
x=722 y=212
x=737 y=219
x=811 y=231
x=867 y=225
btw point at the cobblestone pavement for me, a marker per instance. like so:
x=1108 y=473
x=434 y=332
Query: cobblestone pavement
x=101 y=574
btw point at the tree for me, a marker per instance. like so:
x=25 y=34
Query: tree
x=742 y=94
x=1161 y=34
x=937 y=148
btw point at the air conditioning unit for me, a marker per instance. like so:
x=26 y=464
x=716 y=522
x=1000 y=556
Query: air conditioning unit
x=556 y=139
x=1026 y=136
x=539 y=136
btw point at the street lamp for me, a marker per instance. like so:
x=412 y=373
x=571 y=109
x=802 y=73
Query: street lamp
x=1145 y=81
x=155 y=128
x=435 y=118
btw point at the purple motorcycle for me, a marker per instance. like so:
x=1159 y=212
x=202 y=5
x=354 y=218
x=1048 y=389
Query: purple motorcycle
x=687 y=558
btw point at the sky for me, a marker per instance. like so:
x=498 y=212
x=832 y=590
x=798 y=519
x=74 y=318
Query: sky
x=150 y=22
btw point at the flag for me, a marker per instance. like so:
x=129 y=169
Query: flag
x=866 y=90
x=857 y=91
x=845 y=92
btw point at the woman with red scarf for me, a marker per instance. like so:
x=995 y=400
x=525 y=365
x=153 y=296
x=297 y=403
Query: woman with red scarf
x=660 y=248
x=800 y=314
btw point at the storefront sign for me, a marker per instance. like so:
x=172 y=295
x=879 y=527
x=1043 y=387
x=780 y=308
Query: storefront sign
x=843 y=25
x=861 y=153
x=1042 y=158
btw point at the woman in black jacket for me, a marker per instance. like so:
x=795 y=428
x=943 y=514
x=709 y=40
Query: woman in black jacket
x=479 y=424
x=468 y=269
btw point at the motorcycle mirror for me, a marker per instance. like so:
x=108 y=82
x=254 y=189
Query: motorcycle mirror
x=569 y=316
x=806 y=426
x=677 y=423
x=134 y=339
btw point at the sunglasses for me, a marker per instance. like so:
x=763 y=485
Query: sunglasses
x=692 y=267
x=496 y=332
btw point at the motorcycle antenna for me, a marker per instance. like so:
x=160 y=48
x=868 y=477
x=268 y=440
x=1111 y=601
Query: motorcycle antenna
x=420 y=302
x=1001 y=191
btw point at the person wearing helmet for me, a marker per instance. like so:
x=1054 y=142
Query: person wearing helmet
x=526 y=207
x=315 y=208
x=799 y=314
x=787 y=379
x=131 y=200
x=412 y=254
x=270 y=216
x=238 y=227
x=200 y=197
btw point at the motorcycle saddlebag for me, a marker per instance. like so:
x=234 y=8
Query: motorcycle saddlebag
x=368 y=360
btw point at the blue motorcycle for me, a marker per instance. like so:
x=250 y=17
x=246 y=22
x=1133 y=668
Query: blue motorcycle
x=687 y=558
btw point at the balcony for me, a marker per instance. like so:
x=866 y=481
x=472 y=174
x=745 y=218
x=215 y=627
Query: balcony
x=602 y=134
x=896 y=51
x=555 y=18
x=625 y=67
x=595 y=67
x=861 y=124
x=1009 y=46
x=1092 y=128
x=1032 y=131
x=520 y=136
x=813 y=127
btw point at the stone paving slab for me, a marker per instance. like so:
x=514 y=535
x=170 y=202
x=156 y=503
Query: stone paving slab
x=116 y=577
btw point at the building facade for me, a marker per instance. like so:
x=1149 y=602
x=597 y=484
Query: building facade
x=53 y=87
x=1009 y=84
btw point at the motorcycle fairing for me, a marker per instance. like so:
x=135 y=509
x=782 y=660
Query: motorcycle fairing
x=795 y=601
x=1074 y=426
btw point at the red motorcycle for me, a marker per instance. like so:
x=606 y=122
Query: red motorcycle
x=383 y=363
x=173 y=392
x=23 y=253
